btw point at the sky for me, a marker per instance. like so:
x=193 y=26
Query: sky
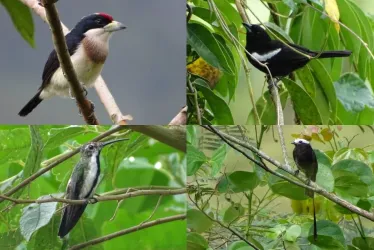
x=145 y=69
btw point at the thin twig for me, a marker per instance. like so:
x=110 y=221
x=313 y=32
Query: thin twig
x=180 y=118
x=99 y=198
x=129 y=230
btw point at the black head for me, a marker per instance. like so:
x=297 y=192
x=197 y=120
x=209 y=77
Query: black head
x=94 y=148
x=98 y=21
x=256 y=34
x=301 y=143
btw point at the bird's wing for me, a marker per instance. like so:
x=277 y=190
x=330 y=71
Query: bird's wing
x=302 y=49
x=52 y=64
x=314 y=168
x=72 y=213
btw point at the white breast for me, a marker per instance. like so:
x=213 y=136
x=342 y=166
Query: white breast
x=86 y=70
x=90 y=179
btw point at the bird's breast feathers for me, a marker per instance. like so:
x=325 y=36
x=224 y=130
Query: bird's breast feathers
x=88 y=61
x=91 y=178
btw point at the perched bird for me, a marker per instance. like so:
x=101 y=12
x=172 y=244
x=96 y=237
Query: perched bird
x=306 y=161
x=280 y=58
x=82 y=183
x=88 y=46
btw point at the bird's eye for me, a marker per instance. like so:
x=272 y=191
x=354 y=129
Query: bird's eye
x=98 y=21
x=90 y=147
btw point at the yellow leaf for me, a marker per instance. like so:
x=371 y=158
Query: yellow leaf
x=203 y=69
x=333 y=13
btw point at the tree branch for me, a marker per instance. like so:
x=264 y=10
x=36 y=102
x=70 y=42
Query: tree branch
x=101 y=88
x=60 y=160
x=129 y=230
x=98 y=198
x=312 y=186
x=173 y=136
x=67 y=66
x=180 y=118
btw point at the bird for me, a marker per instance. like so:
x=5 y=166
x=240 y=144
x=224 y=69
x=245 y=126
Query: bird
x=280 y=59
x=306 y=161
x=88 y=47
x=82 y=184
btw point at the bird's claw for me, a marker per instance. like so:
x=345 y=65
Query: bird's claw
x=92 y=200
x=72 y=95
x=296 y=173
x=92 y=108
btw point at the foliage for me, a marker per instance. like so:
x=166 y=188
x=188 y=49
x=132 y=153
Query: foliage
x=326 y=91
x=21 y=18
x=138 y=162
x=241 y=200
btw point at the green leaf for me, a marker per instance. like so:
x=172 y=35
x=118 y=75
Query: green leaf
x=14 y=145
x=204 y=43
x=325 y=82
x=366 y=243
x=46 y=237
x=195 y=158
x=10 y=240
x=220 y=109
x=307 y=79
x=35 y=216
x=233 y=213
x=35 y=155
x=303 y=104
x=360 y=169
x=217 y=159
x=197 y=221
x=353 y=93
x=266 y=109
x=57 y=136
x=240 y=245
x=196 y=241
x=292 y=233
x=285 y=188
x=22 y=19
x=330 y=236
x=84 y=230
x=238 y=181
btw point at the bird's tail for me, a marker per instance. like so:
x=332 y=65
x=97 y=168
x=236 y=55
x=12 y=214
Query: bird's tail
x=309 y=193
x=31 y=104
x=314 y=222
x=336 y=53
x=70 y=217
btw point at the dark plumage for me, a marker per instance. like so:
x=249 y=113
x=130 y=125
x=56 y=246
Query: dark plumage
x=279 y=58
x=306 y=161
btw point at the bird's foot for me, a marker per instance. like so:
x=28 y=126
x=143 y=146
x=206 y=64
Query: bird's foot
x=273 y=83
x=92 y=108
x=296 y=173
x=92 y=200
x=85 y=92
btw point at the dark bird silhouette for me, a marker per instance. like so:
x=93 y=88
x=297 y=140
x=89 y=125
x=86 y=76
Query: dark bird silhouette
x=306 y=161
x=280 y=58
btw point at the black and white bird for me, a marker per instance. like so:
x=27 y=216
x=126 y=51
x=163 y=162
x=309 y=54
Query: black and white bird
x=278 y=57
x=82 y=184
x=306 y=161
x=88 y=46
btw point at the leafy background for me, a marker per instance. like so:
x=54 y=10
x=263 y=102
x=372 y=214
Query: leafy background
x=268 y=211
x=127 y=164
x=327 y=91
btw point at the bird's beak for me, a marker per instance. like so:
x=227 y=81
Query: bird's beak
x=103 y=144
x=114 y=26
x=293 y=143
x=248 y=27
